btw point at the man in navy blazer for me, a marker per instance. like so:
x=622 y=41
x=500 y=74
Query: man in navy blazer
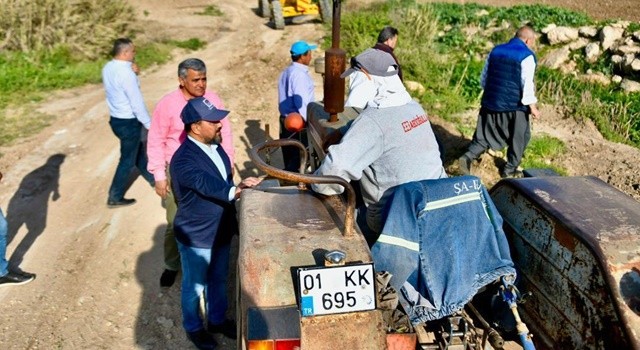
x=206 y=220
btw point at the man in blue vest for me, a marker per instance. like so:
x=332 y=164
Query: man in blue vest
x=507 y=102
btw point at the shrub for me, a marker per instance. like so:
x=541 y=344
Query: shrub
x=84 y=27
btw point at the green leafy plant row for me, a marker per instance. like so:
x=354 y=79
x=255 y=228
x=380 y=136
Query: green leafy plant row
x=443 y=46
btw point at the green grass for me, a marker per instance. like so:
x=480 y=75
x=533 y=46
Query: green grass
x=210 y=10
x=192 y=44
x=541 y=153
x=28 y=77
x=24 y=122
x=436 y=50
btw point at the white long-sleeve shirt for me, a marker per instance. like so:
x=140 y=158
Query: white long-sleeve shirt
x=122 y=88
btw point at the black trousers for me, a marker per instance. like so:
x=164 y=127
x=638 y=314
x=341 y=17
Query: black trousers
x=291 y=154
x=132 y=156
x=496 y=130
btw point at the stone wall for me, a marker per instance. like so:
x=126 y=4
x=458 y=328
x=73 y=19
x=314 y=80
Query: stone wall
x=612 y=43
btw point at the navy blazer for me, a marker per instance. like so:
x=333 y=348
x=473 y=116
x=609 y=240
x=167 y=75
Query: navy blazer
x=205 y=214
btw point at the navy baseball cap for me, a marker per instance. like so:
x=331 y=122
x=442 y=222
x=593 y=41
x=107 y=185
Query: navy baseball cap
x=300 y=47
x=200 y=108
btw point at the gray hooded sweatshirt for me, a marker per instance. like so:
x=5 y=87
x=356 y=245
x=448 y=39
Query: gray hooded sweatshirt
x=389 y=144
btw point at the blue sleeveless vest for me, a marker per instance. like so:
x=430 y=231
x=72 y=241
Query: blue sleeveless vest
x=503 y=87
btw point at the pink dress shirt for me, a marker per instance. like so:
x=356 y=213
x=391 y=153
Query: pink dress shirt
x=167 y=132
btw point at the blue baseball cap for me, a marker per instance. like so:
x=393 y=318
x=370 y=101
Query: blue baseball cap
x=200 y=108
x=301 y=47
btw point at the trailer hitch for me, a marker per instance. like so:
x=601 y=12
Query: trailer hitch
x=511 y=295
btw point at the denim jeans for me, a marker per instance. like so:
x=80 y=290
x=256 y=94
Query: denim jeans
x=4 y=264
x=444 y=238
x=204 y=270
x=132 y=154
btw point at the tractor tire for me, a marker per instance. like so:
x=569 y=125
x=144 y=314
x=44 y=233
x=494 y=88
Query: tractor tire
x=263 y=8
x=277 y=15
x=325 y=11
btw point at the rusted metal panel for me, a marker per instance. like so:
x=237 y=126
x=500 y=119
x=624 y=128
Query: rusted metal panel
x=576 y=243
x=355 y=331
x=285 y=227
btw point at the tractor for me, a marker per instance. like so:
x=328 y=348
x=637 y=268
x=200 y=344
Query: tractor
x=295 y=11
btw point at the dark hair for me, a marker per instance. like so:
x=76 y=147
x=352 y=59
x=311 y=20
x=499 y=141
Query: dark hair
x=387 y=33
x=119 y=45
x=195 y=64
x=295 y=58
x=187 y=127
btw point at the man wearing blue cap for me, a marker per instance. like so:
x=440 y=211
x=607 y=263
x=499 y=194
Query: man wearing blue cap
x=205 y=221
x=295 y=92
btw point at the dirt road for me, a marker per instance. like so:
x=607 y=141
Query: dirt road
x=98 y=268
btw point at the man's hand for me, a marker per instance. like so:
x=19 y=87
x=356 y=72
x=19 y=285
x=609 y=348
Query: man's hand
x=135 y=68
x=247 y=183
x=162 y=188
x=535 y=112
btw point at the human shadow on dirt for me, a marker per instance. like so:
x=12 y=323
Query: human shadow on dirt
x=253 y=135
x=159 y=315
x=29 y=205
x=159 y=320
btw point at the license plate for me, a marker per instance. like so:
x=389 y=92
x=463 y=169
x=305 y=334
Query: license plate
x=336 y=289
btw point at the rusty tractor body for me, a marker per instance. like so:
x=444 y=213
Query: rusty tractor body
x=285 y=228
x=576 y=244
x=574 y=241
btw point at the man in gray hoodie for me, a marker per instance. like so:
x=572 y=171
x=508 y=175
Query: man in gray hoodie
x=390 y=143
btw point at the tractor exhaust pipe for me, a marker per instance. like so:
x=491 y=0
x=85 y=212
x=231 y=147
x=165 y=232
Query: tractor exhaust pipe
x=334 y=65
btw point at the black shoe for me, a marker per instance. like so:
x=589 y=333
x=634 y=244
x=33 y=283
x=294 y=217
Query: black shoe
x=16 y=279
x=202 y=340
x=465 y=165
x=228 y=328
x=506 y=174
x=168 y=278
x=121 y=203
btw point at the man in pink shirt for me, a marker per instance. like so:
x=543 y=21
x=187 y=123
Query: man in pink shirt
x=166 y=135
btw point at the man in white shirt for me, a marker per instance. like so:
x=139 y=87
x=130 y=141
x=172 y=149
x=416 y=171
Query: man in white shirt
x=128 y=117
x=507 y=102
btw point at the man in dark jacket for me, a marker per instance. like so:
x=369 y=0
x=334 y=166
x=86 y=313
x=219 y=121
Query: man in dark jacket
x=205 y=221
x=387 y=41
x=507 y=102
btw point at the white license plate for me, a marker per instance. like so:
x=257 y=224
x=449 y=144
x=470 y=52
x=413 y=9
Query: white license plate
x=336 y=289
